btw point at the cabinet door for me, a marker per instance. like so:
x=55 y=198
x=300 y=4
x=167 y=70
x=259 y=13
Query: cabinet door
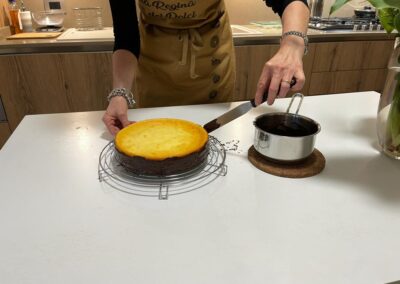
x=341 y=67
x=54 y=83
x=347 y=81
x=250 y=61
x=5 y=132
x=356 y=55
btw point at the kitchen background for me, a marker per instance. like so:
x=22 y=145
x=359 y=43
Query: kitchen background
x=241 y=12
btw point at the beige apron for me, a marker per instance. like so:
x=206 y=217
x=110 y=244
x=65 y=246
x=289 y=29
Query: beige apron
x=186 y=54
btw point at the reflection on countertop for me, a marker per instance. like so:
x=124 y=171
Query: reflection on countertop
x=256 y=33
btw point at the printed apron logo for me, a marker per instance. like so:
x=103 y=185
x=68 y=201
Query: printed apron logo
x=170 y=10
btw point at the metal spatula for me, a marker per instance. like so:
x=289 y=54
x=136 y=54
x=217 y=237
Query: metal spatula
x=235 y=112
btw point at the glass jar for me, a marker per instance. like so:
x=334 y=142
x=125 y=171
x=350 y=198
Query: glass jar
x=388 y=120
x=88 y=19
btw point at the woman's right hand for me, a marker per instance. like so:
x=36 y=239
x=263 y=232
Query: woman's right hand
x=116 y=116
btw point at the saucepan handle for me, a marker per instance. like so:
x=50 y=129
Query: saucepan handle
x=291 y=102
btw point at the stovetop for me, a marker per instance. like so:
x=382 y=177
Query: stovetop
x=350 y=23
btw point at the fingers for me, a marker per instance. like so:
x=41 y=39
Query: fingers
x=284 y=89
x=262 y=86
x=300 y=80
x=274 y=88
x=115 y=124
x=279 y=85
x=275 y=81
x=111 y=124
x=123 y=118
x=115 y=118
x=278 y=72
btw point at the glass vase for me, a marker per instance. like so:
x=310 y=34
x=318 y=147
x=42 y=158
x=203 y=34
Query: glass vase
x=388 y=120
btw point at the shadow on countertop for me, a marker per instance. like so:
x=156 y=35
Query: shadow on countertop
x=384 y=183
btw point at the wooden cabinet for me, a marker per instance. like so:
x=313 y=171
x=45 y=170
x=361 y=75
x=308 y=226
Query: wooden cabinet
x=340 y=67
x=347 y=81
x=334 y=67
x=5 y=133
x=250 y=61
x=69 y=82
x=53 y=83
x=356 y=55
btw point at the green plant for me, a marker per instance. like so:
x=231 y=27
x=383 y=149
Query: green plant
x=389 y=16
x=388 y=12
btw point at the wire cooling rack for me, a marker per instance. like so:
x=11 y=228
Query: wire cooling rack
x=115 y=175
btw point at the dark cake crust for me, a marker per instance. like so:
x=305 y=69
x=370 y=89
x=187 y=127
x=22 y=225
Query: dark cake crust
x=170 y=166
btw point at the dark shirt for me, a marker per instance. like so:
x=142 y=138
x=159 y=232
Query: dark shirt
x=126 y=31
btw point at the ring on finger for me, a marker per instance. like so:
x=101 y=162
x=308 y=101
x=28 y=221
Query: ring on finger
x=285 y=81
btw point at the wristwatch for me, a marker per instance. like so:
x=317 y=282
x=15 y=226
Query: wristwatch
x=122 y=92
x=299 y=34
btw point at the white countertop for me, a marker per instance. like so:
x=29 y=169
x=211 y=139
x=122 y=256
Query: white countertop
x=59 y=224
x=103 y=40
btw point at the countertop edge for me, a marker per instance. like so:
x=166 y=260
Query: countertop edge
x=37 y=46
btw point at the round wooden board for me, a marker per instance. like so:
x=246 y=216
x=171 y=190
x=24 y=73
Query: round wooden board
x=313 y=165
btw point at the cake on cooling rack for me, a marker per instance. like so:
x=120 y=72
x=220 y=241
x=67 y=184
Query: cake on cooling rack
x=161 y=147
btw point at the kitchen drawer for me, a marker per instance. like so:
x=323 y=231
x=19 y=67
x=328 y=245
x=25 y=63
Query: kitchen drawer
x=5 y=133
x=354 y=55
x=347 y=81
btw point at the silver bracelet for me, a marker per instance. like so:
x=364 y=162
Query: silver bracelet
x=122 y=92
x=299 y=34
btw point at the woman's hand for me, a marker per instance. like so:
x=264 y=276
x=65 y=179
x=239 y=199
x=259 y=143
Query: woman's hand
x=116 y=116
x=280 y=69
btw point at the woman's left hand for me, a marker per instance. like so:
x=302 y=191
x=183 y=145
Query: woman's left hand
x=280 y=69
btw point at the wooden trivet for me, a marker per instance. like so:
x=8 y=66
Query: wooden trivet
x=311 y=166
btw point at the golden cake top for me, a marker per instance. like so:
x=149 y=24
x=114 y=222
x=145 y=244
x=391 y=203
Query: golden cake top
x=162 y=138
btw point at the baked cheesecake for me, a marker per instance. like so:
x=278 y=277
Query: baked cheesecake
x=162 y=146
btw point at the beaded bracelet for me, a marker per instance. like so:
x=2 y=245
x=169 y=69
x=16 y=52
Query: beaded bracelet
x=299 y=34
x=122 y=92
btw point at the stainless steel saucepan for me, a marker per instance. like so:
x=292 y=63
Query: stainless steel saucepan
x=285 y=137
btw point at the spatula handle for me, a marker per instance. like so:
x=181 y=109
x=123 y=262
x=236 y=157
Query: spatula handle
x=265 y=96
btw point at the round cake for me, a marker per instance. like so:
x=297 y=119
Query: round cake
x=162 y=146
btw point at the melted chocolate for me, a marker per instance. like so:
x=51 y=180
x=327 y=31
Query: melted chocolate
x=287 y=125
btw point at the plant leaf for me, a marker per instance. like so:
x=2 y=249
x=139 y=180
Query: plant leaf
x=379 y=4
x=337 y=5
x=396 y=22
x=386 y=16
x=394 y=117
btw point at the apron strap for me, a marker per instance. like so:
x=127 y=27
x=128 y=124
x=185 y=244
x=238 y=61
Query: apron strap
x=191 y=42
